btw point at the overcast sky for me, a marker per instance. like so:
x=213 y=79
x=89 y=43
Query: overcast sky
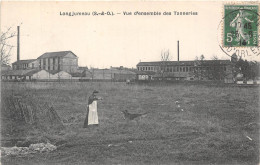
x=104 y=41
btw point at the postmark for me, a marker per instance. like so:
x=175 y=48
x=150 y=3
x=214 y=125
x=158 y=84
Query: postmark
x=238 y=31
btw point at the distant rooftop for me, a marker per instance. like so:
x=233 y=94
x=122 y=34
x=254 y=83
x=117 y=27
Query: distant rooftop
x=182 y=62
x=56 y=54
x=24 y=61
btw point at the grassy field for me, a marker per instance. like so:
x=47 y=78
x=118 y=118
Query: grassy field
x=214 y=125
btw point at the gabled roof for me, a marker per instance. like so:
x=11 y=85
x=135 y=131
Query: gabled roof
x=24 y=61
x=81 y=73
x=56 y=54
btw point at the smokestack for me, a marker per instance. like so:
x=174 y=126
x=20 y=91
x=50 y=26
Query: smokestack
x=178 y=51
x=18 y=43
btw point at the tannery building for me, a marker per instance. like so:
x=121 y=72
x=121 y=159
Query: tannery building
x=187 y=70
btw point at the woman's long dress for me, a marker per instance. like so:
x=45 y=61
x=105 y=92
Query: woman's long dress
x=92 y=115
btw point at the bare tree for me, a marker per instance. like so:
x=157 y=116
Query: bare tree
x=165 y=57
x=198 y=71
x=5 y=46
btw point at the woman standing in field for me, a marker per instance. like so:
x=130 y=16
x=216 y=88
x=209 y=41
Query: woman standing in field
x=92 y=115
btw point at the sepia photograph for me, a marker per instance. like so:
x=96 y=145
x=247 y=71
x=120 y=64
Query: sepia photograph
x=130 y=82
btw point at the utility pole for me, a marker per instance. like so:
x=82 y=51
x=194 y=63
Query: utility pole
x=178 y=50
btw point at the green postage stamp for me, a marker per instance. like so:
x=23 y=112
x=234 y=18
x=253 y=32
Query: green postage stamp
x=241 y=26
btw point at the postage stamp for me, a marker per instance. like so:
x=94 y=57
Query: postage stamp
x=239 y=30
x=240 y=26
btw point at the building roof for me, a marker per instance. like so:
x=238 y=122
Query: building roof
x=82 y=68
x=56 y=54
x=110 y=71
x=81 y=73
x=24 y=61
x=30 y=73
x=206 y=62
x=16 y=72
x=214 y=62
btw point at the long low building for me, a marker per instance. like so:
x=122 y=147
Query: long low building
x=84 y=75
x=187 y=70
x=36 y=74
x=112 y=74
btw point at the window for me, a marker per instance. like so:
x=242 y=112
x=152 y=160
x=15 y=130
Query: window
x=58 y=63
x=32 y=65
x=180 y=69
x=49 y=64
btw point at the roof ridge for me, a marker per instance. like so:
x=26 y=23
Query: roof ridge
x=59 y=51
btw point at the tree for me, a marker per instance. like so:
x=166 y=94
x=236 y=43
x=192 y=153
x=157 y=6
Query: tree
x=5 y=46
x=202 y=57
x=250 y=70
x=199 y=72
x=255 y=69
x=216 y=70
x=165 y=57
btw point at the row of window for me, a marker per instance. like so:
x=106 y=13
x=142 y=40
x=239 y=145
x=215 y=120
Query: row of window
x=167 y=69
x=178 y=68
x=23 y=66
x=49 y=67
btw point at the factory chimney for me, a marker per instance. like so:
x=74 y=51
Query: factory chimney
x=18 y=43
x=178 y=50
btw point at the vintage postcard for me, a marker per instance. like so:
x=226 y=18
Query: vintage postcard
x=130 y=82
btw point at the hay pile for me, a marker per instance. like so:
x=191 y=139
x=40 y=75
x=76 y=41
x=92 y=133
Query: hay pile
x=33 y=148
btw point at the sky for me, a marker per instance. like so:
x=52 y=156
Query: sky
x=119 y=40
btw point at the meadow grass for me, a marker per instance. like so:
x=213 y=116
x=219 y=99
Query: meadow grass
x=214 y=124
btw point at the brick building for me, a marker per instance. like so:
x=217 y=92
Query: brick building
x=25 y=64
x=187 y=70
x=63 y=60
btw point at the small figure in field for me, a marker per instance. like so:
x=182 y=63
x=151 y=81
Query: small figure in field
x=92 y=115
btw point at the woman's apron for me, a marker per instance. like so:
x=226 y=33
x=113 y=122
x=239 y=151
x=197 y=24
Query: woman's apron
x=92 y=113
